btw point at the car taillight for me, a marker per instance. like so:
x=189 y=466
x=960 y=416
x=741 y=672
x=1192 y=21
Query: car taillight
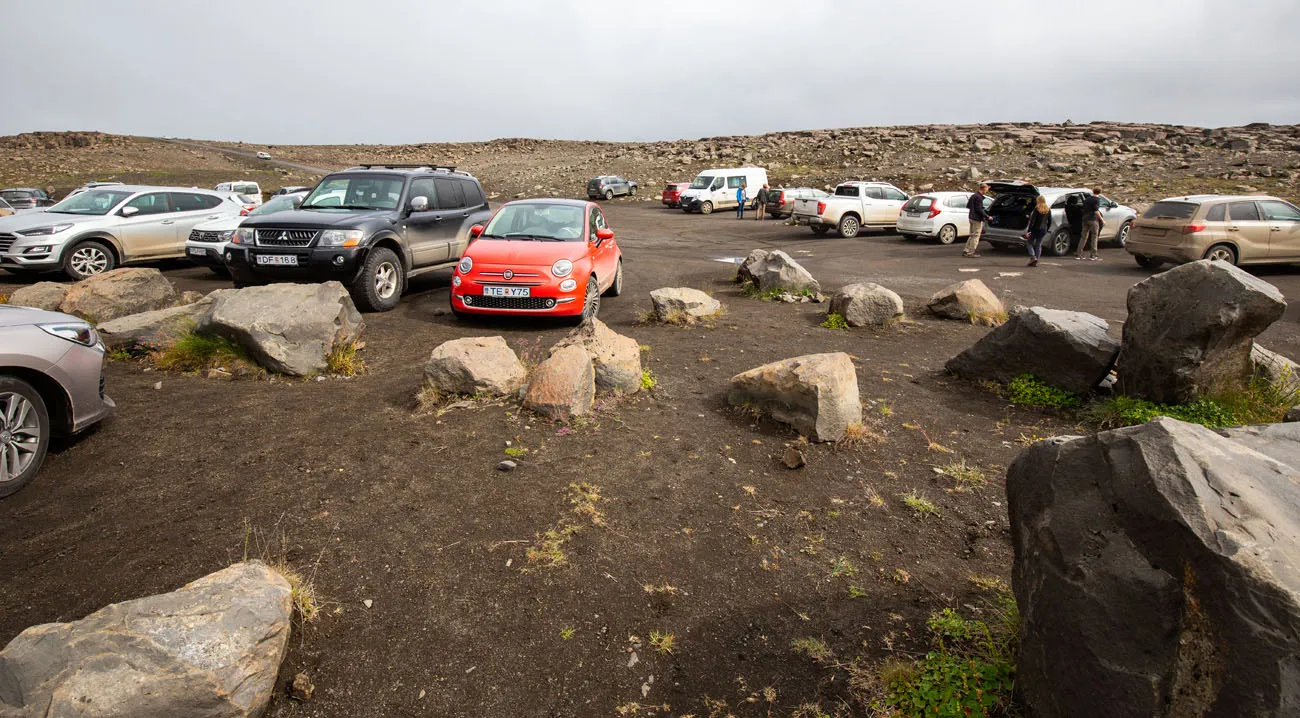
x=781 y=199
x=821 y=208
x=243 y=212
x=1194 y=227
x=934 y=210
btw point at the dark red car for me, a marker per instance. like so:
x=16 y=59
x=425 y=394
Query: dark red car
x=673 y=193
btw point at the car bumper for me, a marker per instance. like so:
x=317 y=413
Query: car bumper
x=83 y=378
x=1170 y=253
x=309 y=263
x=1003 y=236
x=812 y=220
x=209 y=254
x=545 y=298
x=921 y=227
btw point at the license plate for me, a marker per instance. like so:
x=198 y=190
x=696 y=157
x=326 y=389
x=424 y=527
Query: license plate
x=198 y=251
x=506 y=291
x=290 y=260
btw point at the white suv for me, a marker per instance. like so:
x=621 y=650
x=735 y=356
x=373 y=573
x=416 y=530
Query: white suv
x=207 y=242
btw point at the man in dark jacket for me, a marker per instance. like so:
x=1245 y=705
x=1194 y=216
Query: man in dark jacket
x=1074 y=218
x=1091 y=226
x=978 y=216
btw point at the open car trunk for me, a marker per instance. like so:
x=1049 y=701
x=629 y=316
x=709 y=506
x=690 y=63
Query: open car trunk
x=1012 y=205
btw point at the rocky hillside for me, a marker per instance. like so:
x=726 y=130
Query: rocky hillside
x=1132 y=162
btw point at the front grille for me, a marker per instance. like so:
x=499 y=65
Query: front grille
x=510 y=302
x=197 y=236
x=286 y=237
x=7 y=241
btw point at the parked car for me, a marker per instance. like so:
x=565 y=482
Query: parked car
x=371 y=227
x=553 y=257
x=25 y=198
x=854 y=205
x=263 y=155
x=673 y=193
x=716 y=189
x=92 y=185
x=780 y=201
x=100 y=229
x=51 y=384
x=5 y=209
x=1236 y=229
x=1014 y=200
x=609 y=187
x=207 y=242
x=937 y=215
x=291 y=190
x=251 y=189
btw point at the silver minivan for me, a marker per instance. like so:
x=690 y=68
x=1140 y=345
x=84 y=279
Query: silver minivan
x=97 y=230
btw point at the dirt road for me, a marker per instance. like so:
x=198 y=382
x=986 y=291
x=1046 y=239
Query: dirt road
x=704 y=535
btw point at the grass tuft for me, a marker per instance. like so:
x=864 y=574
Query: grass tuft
x=662 y=642
x=4 y=298
x=858 y=435
x=547 y=550
x=968 y=476
x=835 y=320
x=1029 y=391
x=1260 y=402
x=814 y=648
x=921 y=505
x=648 y=380
x=343 y=360
x=987 y=319
x=196 y=353
x=302 y=592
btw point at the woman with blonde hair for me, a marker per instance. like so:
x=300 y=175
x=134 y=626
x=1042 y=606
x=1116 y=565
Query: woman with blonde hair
x=1040 y=220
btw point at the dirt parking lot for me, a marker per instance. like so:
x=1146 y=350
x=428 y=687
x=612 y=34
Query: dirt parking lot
x=375 y=502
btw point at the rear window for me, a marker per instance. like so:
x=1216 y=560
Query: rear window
x=15 y=194
x=847 y=191
x=919 y=203
x=1171 y=210
x=1217 y=213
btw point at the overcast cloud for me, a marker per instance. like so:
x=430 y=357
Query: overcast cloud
x=380 y=71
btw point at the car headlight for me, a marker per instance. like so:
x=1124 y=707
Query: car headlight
x=245 y=235
x=562 y=268
x=226 y=236
x=341 y=237
x=465 y=265
x=79 y=332
x=45 y=231
x=568 y=285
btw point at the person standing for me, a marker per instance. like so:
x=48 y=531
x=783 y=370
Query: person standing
x=741 y=196
x=978 y=216
x=1039 y=222
x=1074 y=218
x=1091 y=226
x=761 y=208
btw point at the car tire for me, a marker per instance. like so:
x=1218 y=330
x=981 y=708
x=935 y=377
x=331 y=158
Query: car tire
x=609 y=194
x=17 y=397
x=947 y=234
x=849 y=227
x=88 y=258
x=819 y=229
x=1222 y=253
x=706 y=208
x=1059 y=246
x=1146 y=262
x=616 y=288
x=1121 y=238
x=590 y=302
x=631 y=192
x=379 y=285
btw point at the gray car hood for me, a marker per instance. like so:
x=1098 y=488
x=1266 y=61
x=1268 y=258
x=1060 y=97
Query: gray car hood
x=13 y=316
x=32 y=220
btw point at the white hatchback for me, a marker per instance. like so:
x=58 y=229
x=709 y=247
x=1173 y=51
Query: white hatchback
x=937 y=215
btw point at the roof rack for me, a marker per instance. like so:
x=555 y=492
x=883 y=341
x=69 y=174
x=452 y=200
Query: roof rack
x=416 y=166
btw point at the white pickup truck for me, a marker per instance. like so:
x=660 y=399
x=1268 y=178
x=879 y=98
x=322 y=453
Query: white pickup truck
x=854 y=205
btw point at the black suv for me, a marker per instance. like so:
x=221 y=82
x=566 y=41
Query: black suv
x=370 y=227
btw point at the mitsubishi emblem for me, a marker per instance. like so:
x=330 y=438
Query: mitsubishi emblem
x=284 y=236
x=508 y=274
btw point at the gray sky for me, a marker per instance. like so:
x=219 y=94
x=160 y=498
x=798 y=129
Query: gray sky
x=389 y=71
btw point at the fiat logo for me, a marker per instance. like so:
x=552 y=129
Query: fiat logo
x=508 y=274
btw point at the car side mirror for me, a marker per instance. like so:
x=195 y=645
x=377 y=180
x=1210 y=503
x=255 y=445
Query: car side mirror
x=476 y=231
x=296 y=202
x=603 y=234
x=419 y=203
x=128 y=211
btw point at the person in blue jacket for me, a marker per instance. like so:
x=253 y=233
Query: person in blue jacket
x=741 y=196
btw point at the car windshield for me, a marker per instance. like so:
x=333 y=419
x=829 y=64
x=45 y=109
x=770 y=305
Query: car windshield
x=94 y=202
x=4 y=205
x=560 y=222
x=278 y=204
x=1170 y=210
x=847 y=190
x=12 y=194
x=702 y=182
x=356 y=192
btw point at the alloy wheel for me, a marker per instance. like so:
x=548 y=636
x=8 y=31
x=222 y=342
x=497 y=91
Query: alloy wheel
x=385 y=280
x=20 y=435
x=1222 y=254
x=1122 y=239
x=89 y=260
x=948 y=234
x=1061 y=243
x=591 y=305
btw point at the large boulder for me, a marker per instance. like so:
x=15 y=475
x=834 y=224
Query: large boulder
x=119 y=293
x=969 y=300
x=776 y=270
x=616 y=358
x=817 y=394
x=474 y=365
x=159 y=328
x=1157 y=571
x=1190 y=331
x=212 y=648
x=1068 y=350
x=563 y=386
x=1275 y=369
x=678 y=305
x=287 y=328
x=41 y=295
x=866 y=304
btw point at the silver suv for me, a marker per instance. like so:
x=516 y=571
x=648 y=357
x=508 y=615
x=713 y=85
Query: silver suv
x=100 y=229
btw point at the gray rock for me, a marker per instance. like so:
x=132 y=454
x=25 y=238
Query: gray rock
x=119 y=293
x=212 y=648
x=616 y=358
x=41 y=295
x=1275 y=369
x=1068 y=350
x=474 y=365
x=776 y=270
x=816 y=394
x=507 y=465
x=866 y=304
x=970 y=300
x=563 y=386
x=1156 y=572
x=287 y=328
x=159 y=328
x=678 y=304
x=1190 y=331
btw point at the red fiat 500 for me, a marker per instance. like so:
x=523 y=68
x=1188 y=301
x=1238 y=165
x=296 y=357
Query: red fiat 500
x=539 y=256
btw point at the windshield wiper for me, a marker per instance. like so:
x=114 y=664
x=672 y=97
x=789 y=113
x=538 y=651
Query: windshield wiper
x=534 y=237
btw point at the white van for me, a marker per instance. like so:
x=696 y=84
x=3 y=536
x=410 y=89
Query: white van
x=246 y=187
x=716 y=189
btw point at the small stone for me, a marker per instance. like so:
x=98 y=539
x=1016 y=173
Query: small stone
x=301 y=688
x=157 y=385
x=367 y=603
x=793 y=458
x=507 y=465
